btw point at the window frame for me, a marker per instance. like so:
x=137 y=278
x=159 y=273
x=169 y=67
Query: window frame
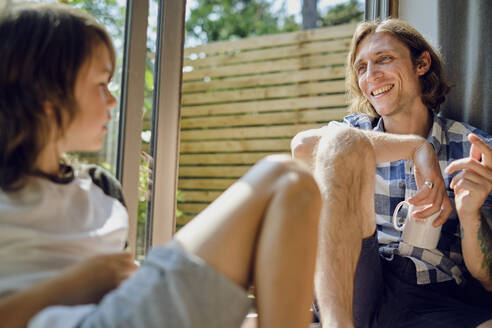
x=165 y=130
x=166 y=121
x=132 y=97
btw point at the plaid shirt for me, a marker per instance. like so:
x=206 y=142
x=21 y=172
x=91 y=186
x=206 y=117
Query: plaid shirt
x=395 y=182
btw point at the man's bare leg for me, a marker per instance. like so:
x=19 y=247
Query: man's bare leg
x=344 y=169
x=264 y=227
x=486 y=324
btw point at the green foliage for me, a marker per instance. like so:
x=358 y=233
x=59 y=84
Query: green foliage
x=344 y=13
x=143 y=189
x=107 y=12
x=215 y=20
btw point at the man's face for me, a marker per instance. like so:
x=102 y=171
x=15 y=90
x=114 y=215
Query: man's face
x=386 y=74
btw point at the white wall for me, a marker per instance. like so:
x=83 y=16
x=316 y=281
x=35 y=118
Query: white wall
x=421 y=14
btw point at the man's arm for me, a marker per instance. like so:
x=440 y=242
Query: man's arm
x=85 y=283
x=472 y=185
x=389 y=147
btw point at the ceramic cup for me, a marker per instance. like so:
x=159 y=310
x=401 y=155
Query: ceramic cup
x=417 y=231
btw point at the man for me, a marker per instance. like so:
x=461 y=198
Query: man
x=367 y=277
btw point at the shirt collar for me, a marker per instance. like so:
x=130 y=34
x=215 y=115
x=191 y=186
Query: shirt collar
x=379 y=125
x=65 y=175
x=436 y=134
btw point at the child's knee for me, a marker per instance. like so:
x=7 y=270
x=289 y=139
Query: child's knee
x=299 y=191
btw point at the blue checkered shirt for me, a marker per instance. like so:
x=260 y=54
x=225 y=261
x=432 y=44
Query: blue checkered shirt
x=395 y=182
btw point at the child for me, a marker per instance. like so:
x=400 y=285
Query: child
x=62 y=229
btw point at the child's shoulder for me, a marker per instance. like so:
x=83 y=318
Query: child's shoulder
x=104 y=180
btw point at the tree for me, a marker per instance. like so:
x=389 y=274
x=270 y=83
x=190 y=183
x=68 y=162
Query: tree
x=343 y=13
x=309 y=14
x=216 y=20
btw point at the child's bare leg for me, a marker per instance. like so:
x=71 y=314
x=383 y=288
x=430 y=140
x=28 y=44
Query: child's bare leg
x=264 y=226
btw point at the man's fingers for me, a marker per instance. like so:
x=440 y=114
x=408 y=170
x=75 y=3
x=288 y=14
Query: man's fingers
x=421 y=196
x=469 y=163
x=465 y=185
x=471 y=176
x=482 y=147
x=447 y=209
x=435 y=199
x=444 y=205
x=427 y=211
x=475 y=153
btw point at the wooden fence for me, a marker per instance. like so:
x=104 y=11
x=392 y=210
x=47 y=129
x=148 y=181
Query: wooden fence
x=245 y=99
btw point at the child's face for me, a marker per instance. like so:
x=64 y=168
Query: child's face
x=87 y=130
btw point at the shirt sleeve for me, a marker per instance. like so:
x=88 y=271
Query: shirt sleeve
x=106 y=181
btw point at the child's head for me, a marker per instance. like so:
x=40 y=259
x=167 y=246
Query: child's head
x=46 y=49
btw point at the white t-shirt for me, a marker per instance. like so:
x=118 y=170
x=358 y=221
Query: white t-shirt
x=49 y=225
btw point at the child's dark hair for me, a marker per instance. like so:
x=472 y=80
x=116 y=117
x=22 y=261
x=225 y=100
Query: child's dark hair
x=43 y=48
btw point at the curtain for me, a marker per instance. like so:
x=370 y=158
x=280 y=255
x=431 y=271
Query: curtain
x=465 y=37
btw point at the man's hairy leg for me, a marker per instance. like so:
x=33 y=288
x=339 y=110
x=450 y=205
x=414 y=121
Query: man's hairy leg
x=344 y=169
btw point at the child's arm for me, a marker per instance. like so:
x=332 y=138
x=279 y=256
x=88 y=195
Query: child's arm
x=84 y=283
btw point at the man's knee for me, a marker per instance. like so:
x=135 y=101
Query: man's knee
x=345 y=148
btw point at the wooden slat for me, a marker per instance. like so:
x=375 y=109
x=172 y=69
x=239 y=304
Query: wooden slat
x=220 y=184
x=184 y=219
x=213 y=171
x=235 y=145
x=267 y=66
x=191 y=207
x=329 y=73
x=241 y=158
x=337 y=100
x=301 y=55
x=339 y=31
x=201 y=196
x=296 y=90
x=253 y=132
x=265 y=119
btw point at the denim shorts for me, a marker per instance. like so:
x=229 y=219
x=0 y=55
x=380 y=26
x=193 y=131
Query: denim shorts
x=172 y=289
x=386 y=295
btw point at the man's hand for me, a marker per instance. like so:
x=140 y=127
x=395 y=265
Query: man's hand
x=304 y=146
x=473 y=183
x=433 y=193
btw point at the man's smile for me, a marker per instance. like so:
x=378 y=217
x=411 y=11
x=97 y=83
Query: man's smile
x=384 y=89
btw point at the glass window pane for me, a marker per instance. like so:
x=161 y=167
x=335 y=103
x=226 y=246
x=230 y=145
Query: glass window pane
x=252 y=79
